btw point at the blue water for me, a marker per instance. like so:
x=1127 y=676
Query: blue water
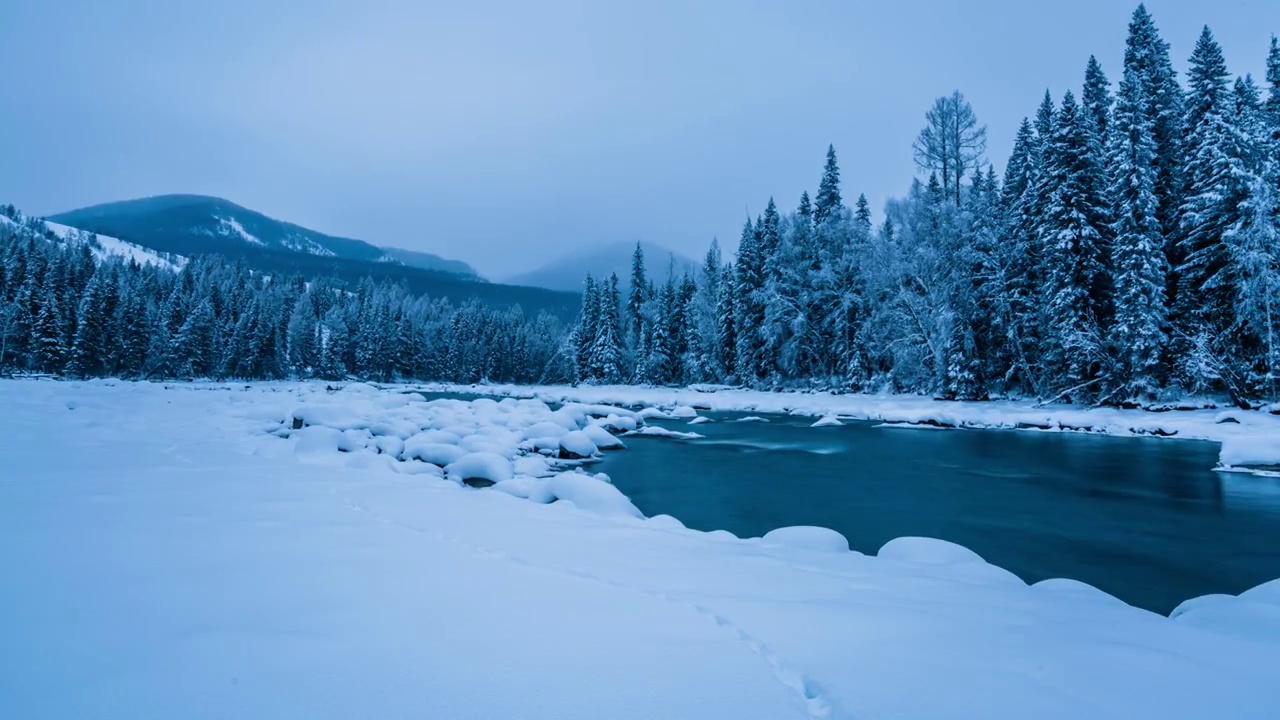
x=1145 y=519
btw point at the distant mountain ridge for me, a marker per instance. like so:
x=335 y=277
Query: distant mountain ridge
x=195 y=225
x=568 y=272
x=200 y=224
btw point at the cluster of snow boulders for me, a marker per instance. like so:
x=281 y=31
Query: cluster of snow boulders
x=521 y=447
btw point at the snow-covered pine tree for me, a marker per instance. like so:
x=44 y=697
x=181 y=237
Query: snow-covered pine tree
x=637 y=296
x=1146 y=55
x=1074 y=229
x=827 y=204
x=749 y=308
x=726 y=323
x=585 y=332
x=605 y=363
x=1139 y=263
x=1217 y=183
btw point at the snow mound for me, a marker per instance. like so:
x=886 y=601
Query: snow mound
x=700 y=420
x=664 y=522
x=653 y=413
x=618 y=423
x=655 y=431
x=480 y=469
x=434 y=453
x=1254 y=613
x=544 y=429
x=602 y=438
x=752 y=418
x=808 y=537
x=1250 y=452
x=827 y=421
x=683 y=412
x=321 y=445
x=1076 y=590
x=928 y=550
x=577 y=445
x=591 y=494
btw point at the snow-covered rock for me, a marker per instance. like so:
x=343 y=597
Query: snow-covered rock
x=480 y=469
x=576 y=445
x=602 y=438
x=927 y=550
x=434 y=453
x=827 y=421
x=590 y=493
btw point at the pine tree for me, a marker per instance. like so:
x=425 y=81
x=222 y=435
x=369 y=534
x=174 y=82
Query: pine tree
x=749 y=308
x=585 y=333
x=638 y=295
x=1215 y=188
x=605 y=363
x=50 y=342
x=726 y=323
x=827 y=203
x=1138 y=334
x=1075 y=230
x=1096 y=100
x=1273 y=97
x=89 y=355
x=1146 y=55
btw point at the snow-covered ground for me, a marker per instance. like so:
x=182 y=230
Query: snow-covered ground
x=1249 y=438
x=215 y=551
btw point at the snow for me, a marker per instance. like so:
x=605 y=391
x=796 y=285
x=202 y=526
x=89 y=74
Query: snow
x=175 y=551
x=655 y=431
x=106 y=246
x=700 y=420
x=232 y=227
x=1253 y=439
x=803 y=537
x=602 y=438
x=827 y=421
x=487 y=467
x=927 y=550
x=577 y=444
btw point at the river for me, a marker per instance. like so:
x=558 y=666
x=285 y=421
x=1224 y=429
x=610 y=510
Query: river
x=1145 y=519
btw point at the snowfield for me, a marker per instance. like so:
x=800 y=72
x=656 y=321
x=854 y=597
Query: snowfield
x=1250 y=439
x=279 y=550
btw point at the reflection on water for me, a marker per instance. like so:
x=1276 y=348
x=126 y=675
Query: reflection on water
x=1142 y=518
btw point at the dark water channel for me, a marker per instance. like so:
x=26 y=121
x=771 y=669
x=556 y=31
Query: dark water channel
x=1144 y=519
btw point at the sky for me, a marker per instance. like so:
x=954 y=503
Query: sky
x=506 y=134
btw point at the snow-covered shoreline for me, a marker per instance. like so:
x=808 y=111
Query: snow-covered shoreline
x=1249 y=438
x=205 y=550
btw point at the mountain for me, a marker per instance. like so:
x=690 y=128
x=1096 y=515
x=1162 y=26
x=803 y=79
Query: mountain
x=568 y=272
x=198 y=224
x=429 y=261
x=192 y=225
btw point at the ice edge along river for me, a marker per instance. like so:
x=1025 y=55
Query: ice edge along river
x=181 y=550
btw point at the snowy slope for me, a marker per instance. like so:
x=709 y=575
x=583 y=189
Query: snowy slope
x=105 y=246
x=168 y=552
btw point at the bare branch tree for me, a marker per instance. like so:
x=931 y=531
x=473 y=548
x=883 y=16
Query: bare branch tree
x=952 y=144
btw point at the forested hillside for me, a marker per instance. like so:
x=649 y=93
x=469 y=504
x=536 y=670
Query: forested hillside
x=68 y=309
x=1130 y=253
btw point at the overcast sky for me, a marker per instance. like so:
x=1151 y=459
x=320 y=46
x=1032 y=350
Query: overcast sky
x=502 y=133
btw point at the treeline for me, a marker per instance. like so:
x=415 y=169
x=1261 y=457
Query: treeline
x=1131 y=252
x=65 y=312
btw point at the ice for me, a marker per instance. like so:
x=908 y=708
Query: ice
x=827 y=421
x=804 y=537
x=577 y=444
x=480 y=468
